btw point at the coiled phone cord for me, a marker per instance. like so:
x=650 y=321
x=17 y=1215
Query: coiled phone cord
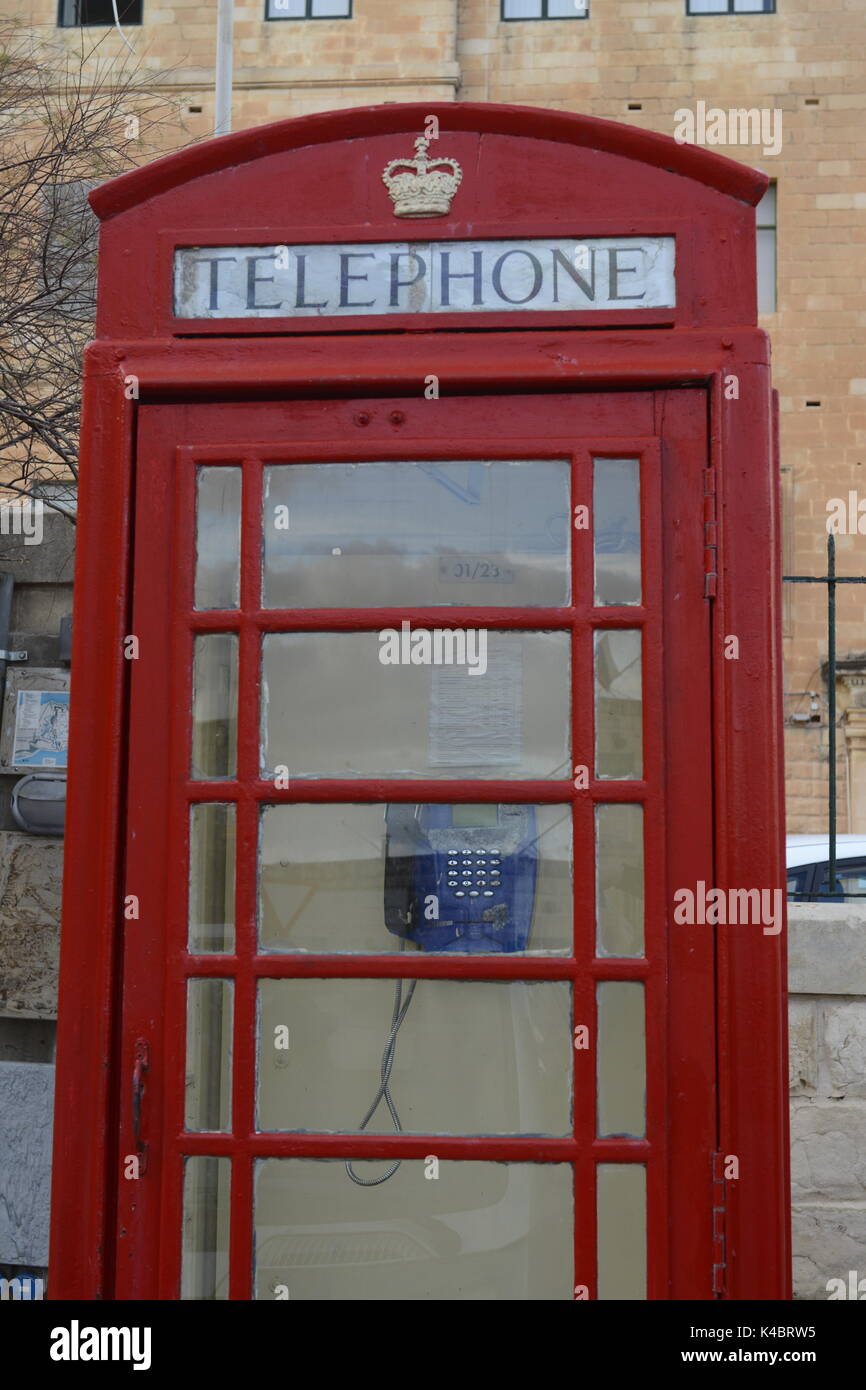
x=384 y=1093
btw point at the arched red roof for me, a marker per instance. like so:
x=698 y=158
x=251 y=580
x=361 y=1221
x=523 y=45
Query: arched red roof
x=228 y=151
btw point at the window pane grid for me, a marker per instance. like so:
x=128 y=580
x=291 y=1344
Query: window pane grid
x=716 y=7
x=544 y=9
x=308 y=9
x=250 y=794
x=90 y=13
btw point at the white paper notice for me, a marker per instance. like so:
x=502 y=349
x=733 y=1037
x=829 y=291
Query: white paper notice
x=475 y=720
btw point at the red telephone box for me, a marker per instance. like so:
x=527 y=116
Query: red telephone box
x=423 y=912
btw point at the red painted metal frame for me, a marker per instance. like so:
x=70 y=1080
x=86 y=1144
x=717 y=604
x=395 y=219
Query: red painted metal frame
x=532 y=122
x=471 y=231
x=748 y=964
x=527 y=172
x=162 y=698
x=529 y=168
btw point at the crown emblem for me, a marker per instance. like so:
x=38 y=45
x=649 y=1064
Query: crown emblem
x=423 y=187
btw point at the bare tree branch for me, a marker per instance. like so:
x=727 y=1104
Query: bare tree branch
x=71 y=116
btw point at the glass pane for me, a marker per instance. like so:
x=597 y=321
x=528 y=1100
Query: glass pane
x=382 y=535
x=621 y=1231
x=616 y=527
x=287 y=9
x=848 y=880
x=619 y=880
x=521 y=9
x=212 y=876
x=218 y=538
x=323 y=8
x=708 y=6
x=618 y=704
x=205 y=1257
x=566 y=9
x=209 y=1015
x=765 y=212
x=797 y=883
x=337 y=877
x=215 y=705
x=766 y=256
x=621 y=1059
x=332 y=708
x=468 y=1057
x=470 y=1232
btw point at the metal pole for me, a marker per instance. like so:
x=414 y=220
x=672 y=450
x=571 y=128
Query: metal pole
x=831 y=701
x=222 y=123
x=831 y=579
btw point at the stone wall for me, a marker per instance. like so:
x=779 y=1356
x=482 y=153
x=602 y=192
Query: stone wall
x=31 y=868
x=26 y=1101
x=827 y=979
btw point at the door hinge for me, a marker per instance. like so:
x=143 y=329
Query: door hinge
x=720 y=1212
x=711 y=573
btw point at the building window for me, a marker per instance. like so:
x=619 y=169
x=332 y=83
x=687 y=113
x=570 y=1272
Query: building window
x=545 y=9
x=308 y=9
x=730 y=6
x=79 y=12
x=765 y=222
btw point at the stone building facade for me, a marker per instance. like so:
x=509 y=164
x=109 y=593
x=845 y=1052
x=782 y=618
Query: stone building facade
x=641 y=62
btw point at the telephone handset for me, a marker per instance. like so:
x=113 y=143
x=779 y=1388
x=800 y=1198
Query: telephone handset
x=473 y=865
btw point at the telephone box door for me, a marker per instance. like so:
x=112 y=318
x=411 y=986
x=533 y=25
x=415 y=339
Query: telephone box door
x=419 y=756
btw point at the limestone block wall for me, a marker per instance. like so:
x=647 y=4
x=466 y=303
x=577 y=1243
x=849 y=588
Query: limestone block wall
x=26 y=1101
x=827 y=981
x=31 y=869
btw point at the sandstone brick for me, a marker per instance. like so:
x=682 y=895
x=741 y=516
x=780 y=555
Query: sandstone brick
x=844 y=1048
x=828 y=1151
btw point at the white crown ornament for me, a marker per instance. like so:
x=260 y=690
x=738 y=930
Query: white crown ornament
x=425 y=186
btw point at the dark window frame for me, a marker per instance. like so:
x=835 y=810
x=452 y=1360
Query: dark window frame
x=64 y=5
x=814 y=878
x=803 y=875
x=854 y=865
x=714 y=14
x=301 y=18
x=536 y=18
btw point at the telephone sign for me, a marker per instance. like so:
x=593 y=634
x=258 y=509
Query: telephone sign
x=426 y=664
x=424 y=277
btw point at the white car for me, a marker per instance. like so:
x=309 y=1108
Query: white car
x=807 y=861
